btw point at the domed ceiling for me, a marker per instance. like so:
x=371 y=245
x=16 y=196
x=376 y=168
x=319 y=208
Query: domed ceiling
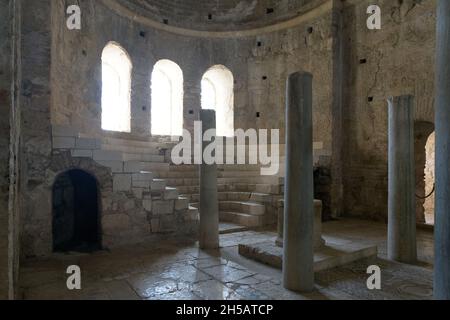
x=219 y=15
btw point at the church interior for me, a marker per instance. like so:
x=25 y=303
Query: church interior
x=348 y=100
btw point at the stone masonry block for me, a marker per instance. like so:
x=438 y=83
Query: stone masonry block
x=105 y=155
x=82 y=153
x=147 y=204
x=170 y=194
x=181 y=204
x=63 y=143
x=141 y=184
x=85 y=143
x=122 y=182
x=64 y=131
x=143 y=176
x=115 y=222
x=155 y=224
x=115 y=166
x=163 y=207
x=138 y=193
x=158 y=185
x=132 y=166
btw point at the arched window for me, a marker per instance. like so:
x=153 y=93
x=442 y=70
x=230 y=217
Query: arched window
x=218 y=94
x=116 y=88
x=167 y=99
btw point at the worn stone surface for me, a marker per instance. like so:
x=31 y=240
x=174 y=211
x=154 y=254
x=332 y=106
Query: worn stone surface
x=326 y=257
x=177 y=269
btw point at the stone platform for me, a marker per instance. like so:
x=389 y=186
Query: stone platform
x=327 y=257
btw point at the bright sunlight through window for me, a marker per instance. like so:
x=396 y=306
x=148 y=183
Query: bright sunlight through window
x=116 y=88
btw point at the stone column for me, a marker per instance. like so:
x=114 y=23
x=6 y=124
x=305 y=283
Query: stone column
x=209 y=201
x=319 y=242
x=442 y=222
x=280 y=224
x=402 y=215
x=298 y=258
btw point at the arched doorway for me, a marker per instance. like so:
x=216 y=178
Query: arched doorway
x=424 y=160
x=430 y=179
x=76 y=218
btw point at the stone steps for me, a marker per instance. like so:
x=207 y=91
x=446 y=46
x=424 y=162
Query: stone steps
x=193 y=213
x=235 y=196
x=143 y=157
x=131 y=149
x=258 y=188
x=250 y=208
x=155 y=167
x=222 y=167
x=178 y=175
x=152 y=143
x=227 y=228
x=194 y=181
x=242 y=219
x=220 y=174
x=246 y=207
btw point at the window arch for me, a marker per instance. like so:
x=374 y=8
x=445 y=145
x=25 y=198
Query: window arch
x=116 y=88
x=218 y=94
x=167 y=99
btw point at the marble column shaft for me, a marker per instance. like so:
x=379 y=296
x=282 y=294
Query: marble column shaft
x=209 y=202
x=298 y=257
x=402 y=244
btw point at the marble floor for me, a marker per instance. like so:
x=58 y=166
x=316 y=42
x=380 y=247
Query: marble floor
x=178 y=270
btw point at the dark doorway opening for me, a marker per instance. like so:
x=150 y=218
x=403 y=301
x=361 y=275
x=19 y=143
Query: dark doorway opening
x=76 y=219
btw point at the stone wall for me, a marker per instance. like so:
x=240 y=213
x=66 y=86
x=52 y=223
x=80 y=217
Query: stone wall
x=396 y=60
x=354 y=71
x=36 y=128
x=219 y=15
x=260 y=65
x=134 y=207
x=9 y=145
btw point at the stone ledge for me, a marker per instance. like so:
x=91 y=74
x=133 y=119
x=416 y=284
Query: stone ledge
x=327 y=257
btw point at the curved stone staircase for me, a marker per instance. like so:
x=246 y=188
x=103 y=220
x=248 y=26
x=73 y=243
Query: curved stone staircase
x=246 y=198
x=140 y=167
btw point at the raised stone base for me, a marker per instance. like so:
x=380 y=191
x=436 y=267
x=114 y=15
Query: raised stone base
x=327 y=257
